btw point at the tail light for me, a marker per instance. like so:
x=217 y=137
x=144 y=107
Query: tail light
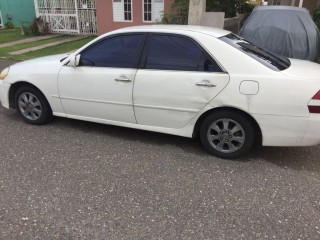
x=317 y=96
x=314 y=106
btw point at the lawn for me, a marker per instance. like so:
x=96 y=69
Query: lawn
x=11 y=35
x=62 y=48
x=4 y=52
x=15 y=35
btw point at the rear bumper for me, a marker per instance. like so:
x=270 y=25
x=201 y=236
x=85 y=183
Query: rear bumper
x=4 y=94
x=289 y=131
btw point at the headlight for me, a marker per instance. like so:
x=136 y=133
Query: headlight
x=4 y=73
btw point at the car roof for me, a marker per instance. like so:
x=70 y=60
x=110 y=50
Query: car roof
x=215 y=32
x=280 y=8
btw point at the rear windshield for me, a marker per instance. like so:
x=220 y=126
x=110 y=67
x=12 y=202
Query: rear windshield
x=265 y=57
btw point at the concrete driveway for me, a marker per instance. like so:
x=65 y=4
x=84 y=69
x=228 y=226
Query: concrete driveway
x=78 y=180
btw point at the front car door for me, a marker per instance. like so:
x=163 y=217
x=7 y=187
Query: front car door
x=176 y=79
x=101 y=86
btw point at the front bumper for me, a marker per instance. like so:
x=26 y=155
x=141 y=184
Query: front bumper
x=4 y=94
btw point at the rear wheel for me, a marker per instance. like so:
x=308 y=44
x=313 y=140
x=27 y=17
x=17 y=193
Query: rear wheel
x=227 y=134
x=32 y=106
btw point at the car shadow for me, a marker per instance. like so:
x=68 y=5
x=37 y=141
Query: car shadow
x=296 y=158
x=130 y=134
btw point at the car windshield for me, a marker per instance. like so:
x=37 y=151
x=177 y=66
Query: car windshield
x=265 y=57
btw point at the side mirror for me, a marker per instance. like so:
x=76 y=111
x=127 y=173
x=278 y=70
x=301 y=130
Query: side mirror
x=74 y=61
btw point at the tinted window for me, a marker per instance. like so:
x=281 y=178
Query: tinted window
x=265 y=57
x=177 y=53
x=120 y=51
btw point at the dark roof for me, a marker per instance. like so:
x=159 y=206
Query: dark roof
x=280 y=8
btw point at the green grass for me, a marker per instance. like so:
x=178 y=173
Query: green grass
x=11 y=35
x=62 y=48
x=4 y=52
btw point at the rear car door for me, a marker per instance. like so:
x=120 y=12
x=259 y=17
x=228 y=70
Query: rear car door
x=176 y=79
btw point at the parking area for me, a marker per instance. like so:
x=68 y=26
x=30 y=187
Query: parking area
x=78 y=180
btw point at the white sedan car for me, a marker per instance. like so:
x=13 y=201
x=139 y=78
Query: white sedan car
x=181 y=80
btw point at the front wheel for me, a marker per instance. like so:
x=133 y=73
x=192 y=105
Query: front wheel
x=32 y=106
x=227 y=134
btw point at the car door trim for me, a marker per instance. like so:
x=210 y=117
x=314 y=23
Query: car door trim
x=167 y=108
x=96 y=101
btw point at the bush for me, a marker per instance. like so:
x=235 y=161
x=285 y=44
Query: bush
x=25 y=28
x=247 y=8
x=178 y=13
x=39 y=27
x=230 y=7
x=180 y=9
x=9 y=25
x=316 y=17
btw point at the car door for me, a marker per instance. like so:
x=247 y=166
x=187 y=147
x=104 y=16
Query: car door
x=176 y=79
x=101 y=86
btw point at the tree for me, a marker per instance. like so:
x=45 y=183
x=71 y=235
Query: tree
x=230 y=7
x=178 y=13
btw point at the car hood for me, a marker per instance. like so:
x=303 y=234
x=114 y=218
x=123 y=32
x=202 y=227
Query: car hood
x=42 y=61
x=303 y=69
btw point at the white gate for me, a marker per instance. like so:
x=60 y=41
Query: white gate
x=68 y=16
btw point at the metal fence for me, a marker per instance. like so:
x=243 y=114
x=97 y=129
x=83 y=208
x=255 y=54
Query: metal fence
x=68 y=16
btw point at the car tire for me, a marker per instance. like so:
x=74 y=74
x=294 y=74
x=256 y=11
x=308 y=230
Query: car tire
x=32 y=106
x=227 y=134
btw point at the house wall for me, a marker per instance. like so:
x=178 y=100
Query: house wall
x=105 y=15
x=19 y=9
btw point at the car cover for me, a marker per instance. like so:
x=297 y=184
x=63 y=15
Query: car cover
x=286 y=31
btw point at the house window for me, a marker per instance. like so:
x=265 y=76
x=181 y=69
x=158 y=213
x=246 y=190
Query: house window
x=147 y=10
x=127 y=10
x=152 y=10
x=122 y=10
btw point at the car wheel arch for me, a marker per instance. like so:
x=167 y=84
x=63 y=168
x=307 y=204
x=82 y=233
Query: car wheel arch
x=259 y=136
x=17 y=85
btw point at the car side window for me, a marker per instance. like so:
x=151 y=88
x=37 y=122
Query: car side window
x=121 y=51
x=168 y=52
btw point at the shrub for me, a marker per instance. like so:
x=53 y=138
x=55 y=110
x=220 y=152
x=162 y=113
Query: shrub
x=230 y=7
x=39 y=27
x=25 y=28
x=247 y=8
x=178 y=13
x=180 y=9
x=9 y=25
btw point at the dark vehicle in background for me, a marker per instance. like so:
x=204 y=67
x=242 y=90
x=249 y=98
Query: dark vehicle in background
x=286 y=31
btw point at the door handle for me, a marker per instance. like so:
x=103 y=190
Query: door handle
x=123 y=79
x=206 y=83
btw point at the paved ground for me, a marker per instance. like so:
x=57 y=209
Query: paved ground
x=27 y=40
x=31 y=49
x=77 y=180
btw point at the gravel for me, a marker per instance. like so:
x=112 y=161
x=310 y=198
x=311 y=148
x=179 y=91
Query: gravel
x=78 y=180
